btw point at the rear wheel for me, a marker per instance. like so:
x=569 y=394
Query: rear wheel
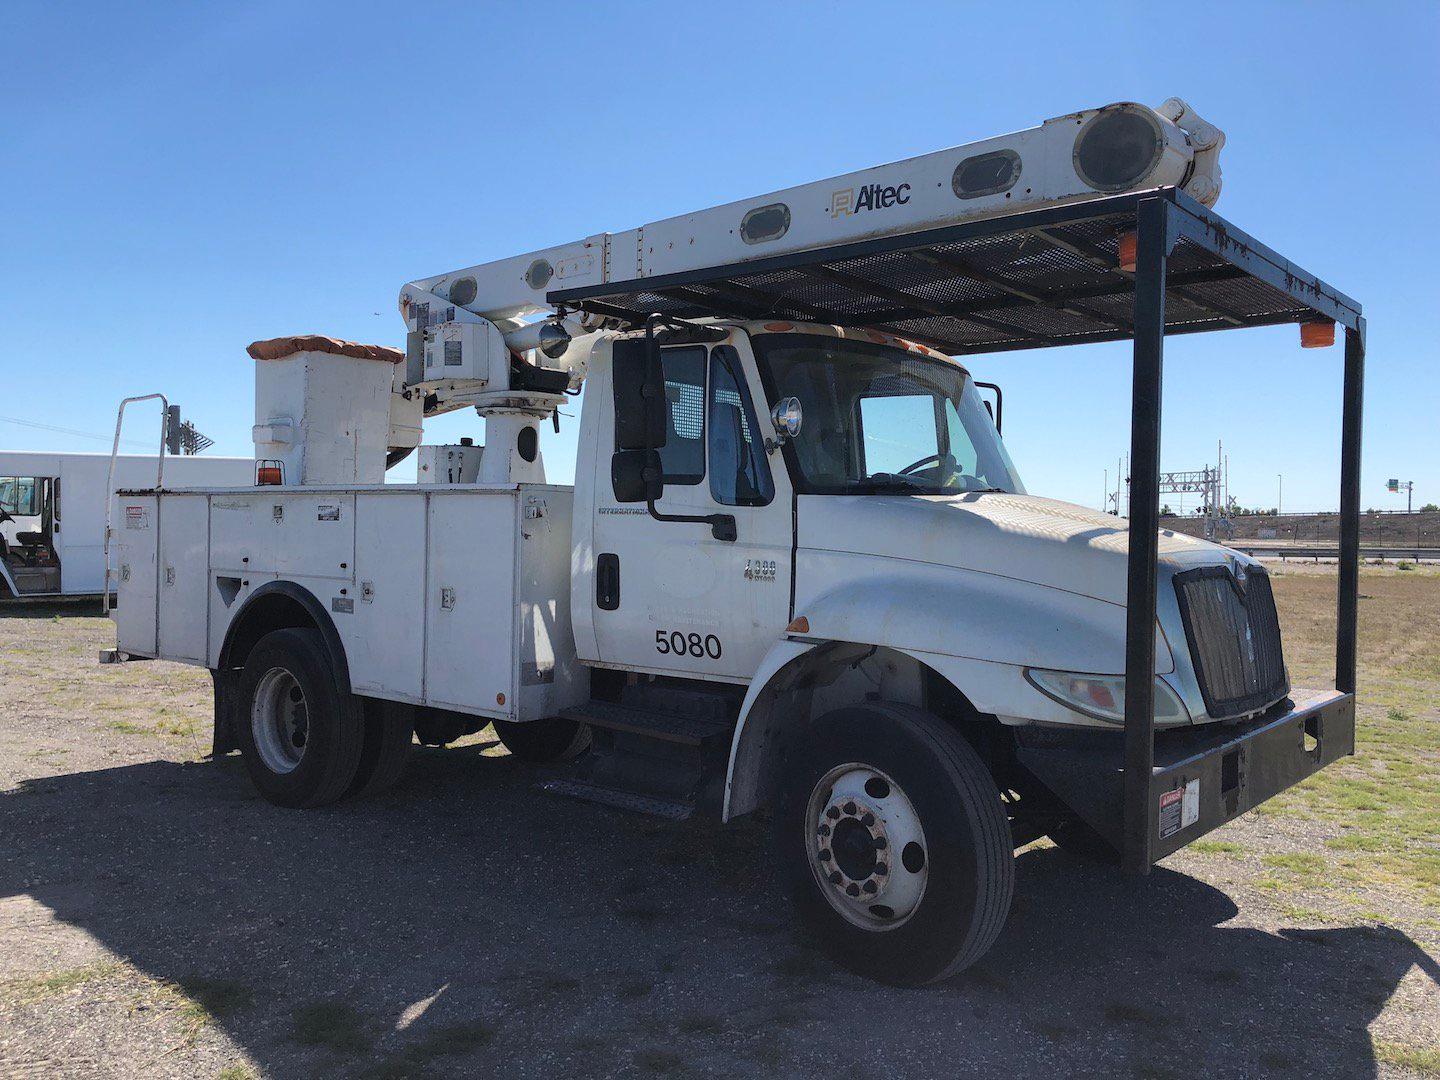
x=895 y=843
x=543 y=741
x=301 y=737
x=389 y=733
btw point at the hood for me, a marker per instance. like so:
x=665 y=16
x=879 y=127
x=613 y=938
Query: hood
x=1045 y=541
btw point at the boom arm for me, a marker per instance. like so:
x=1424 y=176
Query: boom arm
x=467 y=343
x=1121 y=147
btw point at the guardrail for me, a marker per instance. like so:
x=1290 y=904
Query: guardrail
x=1332 y=551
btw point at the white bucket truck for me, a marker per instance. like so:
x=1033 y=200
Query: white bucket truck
x=797 y=570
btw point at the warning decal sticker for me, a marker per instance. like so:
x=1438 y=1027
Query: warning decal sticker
x=137 y=517
x=1179 y=808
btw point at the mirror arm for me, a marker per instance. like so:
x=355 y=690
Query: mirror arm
x=722 y=526
x=999 y=402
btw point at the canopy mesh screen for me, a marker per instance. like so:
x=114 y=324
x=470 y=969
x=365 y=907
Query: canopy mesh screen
x=1036 y=285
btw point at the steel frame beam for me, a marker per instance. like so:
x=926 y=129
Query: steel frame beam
x=1156 y=236
x=1348 y=593
x=1160 y=224
x=1163 y=217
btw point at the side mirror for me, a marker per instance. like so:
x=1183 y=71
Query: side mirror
x=786 y=418
x=635 y=475
x=639 y=386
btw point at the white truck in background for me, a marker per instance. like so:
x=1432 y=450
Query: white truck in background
x=52 y=514
x=797 y=570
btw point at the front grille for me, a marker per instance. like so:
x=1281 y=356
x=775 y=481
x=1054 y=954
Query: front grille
x=1234 y=637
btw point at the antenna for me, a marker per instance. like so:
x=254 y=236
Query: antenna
x=181 y=437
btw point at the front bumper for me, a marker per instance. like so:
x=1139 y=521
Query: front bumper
x=1203 y=776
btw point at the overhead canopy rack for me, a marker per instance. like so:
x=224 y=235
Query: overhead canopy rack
x=1031 y=280
x=1055 y=277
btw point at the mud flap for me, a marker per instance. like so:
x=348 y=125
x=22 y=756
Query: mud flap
x=225 y=683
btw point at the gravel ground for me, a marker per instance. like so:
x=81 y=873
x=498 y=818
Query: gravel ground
x=158 y=919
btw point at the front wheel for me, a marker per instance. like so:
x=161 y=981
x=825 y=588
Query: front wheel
x=895 y=843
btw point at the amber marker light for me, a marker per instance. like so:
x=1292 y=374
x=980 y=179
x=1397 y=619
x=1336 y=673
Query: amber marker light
x=799 y=625
x=1317 y=335
x=1129 y=244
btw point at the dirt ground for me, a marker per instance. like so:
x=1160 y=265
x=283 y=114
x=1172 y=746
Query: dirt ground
x=158 y=919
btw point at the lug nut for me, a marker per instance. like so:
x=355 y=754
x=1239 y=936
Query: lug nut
x=870 y=887
x=849 y=808
x=833 y=813
x=880 y=843
x=880 y=869
x=824 y=830
x=852 y=889
x=834 y=877
x=824 y=854
x=867 y=820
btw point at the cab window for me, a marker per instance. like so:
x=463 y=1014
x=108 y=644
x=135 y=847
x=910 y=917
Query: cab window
x=739 y=471
x=20 y=495
x=896 y=432
x=682 y=458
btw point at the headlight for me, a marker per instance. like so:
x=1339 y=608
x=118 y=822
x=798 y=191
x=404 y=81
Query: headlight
x=1102 y=696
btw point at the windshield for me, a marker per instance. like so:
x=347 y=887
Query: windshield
x=879 y=420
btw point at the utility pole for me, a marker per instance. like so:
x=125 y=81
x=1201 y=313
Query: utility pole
x=1280 y=494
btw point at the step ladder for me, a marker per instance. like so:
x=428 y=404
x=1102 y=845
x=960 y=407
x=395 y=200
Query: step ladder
x=661 y=752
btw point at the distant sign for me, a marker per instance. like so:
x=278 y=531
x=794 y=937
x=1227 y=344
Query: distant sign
x=1392 y=485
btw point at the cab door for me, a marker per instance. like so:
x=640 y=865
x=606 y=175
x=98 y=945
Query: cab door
x=669 y=597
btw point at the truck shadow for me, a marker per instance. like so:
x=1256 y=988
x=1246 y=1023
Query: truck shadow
x=466 y=923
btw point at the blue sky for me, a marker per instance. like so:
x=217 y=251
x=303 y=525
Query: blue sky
x=179 y=180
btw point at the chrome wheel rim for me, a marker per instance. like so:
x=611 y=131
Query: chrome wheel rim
x=866 y=847
x=280 y=721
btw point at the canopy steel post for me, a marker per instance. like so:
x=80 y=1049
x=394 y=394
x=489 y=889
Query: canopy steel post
x=1152 y=251
x=1347 y=602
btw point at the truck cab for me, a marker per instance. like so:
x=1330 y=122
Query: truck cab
x=29 y=519
x=889 y=513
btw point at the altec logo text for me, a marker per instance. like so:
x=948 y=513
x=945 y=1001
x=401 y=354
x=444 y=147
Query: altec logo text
x=846 y=201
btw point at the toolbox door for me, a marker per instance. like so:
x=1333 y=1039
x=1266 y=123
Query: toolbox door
x=134 y=547
x=470 y=603
x=183 y=575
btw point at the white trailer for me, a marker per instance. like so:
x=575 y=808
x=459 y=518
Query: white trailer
x=798 y=571
x=52 y=513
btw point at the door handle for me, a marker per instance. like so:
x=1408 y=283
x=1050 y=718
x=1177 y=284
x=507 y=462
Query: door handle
x=607 y=581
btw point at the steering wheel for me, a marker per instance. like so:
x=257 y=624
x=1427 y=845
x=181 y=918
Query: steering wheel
x=908 y=469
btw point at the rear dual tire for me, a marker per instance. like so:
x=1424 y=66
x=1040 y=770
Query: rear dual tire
x=305 y=741
x=540 y=742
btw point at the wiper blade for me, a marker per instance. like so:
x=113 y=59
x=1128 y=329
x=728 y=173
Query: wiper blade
x=902 y=483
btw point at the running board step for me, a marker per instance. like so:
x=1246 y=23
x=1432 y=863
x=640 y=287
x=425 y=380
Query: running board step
x=620 y=800
x=686 y=730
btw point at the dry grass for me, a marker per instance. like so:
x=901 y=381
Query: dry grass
x=1360 y=842
x=51 y=677
x=1383 y=805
